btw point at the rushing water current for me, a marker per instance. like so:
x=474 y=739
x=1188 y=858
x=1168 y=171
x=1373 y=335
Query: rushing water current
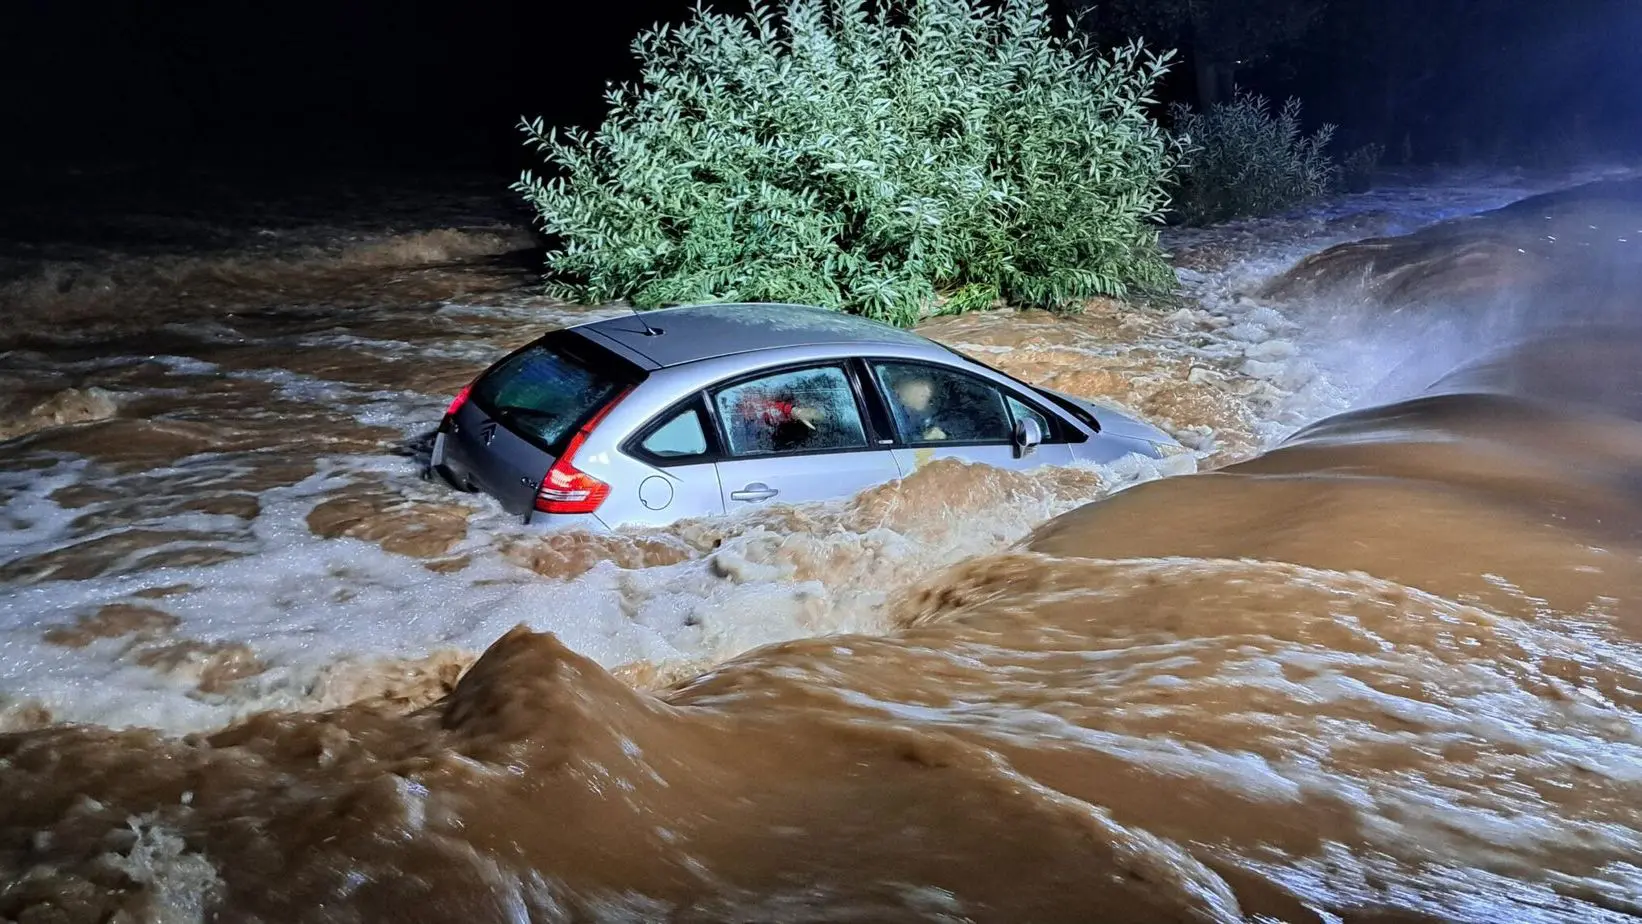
x=1378 y=659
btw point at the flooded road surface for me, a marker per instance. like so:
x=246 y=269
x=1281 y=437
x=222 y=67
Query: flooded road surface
x=1386 y=671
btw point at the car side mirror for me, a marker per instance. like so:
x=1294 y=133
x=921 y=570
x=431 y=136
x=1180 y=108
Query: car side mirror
x=1028 y=434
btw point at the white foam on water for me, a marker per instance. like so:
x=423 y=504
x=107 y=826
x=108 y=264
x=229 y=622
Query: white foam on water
x=407 y=410
x=1342 y=876
x=1297 y=364
x=31 y=519
x=302 y=603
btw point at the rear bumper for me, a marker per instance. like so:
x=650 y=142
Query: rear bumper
x=445 y=467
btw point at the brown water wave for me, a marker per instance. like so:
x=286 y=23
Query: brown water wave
x=77 y=300
x=1386 y=672
x=1583 y=239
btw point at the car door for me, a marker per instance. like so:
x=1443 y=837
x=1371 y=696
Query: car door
x=795 y=435
x=679 y=479
x=939 y=412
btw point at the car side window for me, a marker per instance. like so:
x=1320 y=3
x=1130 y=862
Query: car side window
x=802 y=410
x=933 y=405
x=682 y=437
x=1023 y=412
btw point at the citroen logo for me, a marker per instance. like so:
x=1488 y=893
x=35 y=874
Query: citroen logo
x=488 y=431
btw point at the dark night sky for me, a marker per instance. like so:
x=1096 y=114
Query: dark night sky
x=413 y=84
x=309 y=82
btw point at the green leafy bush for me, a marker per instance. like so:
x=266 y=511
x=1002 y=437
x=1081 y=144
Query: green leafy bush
x=1243 y=161
x=937 y=156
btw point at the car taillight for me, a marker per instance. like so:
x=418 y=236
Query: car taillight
x=460 y=399
x=566 y=488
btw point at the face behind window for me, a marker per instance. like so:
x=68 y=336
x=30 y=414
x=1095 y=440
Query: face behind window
x=937 y=405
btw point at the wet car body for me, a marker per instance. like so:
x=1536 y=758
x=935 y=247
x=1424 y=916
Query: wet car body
x=640 y=419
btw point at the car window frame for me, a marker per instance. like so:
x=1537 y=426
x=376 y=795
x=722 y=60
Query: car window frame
x=1061 y=433
x=634 y=444
x=872 y=422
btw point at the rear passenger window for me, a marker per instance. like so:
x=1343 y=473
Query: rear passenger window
x=681 y=437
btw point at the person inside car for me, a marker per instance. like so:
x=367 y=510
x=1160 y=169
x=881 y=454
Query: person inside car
x=915 y=393
x=778 y=422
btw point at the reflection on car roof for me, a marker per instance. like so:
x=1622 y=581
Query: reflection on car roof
x=697 y=332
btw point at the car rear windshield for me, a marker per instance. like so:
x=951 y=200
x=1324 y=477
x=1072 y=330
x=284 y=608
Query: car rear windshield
x=546 y=389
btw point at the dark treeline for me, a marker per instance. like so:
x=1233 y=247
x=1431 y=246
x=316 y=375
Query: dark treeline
x=1431 y=80
x=417 y=83
x=383 y=84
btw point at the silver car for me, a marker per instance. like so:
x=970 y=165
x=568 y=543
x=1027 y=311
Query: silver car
x=711 y=409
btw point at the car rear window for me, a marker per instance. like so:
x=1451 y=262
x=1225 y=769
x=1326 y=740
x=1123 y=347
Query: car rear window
x=546 y=389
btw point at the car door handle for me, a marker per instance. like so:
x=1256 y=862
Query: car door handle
x=754 y=492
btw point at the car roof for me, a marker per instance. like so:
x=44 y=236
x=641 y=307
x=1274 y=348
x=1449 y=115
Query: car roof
x=674 y=336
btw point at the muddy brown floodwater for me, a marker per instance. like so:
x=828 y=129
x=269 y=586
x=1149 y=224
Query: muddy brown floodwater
x=1386 y=672
x=1386 y=668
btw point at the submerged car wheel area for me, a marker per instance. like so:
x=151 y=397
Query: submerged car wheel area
x=709 y=409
